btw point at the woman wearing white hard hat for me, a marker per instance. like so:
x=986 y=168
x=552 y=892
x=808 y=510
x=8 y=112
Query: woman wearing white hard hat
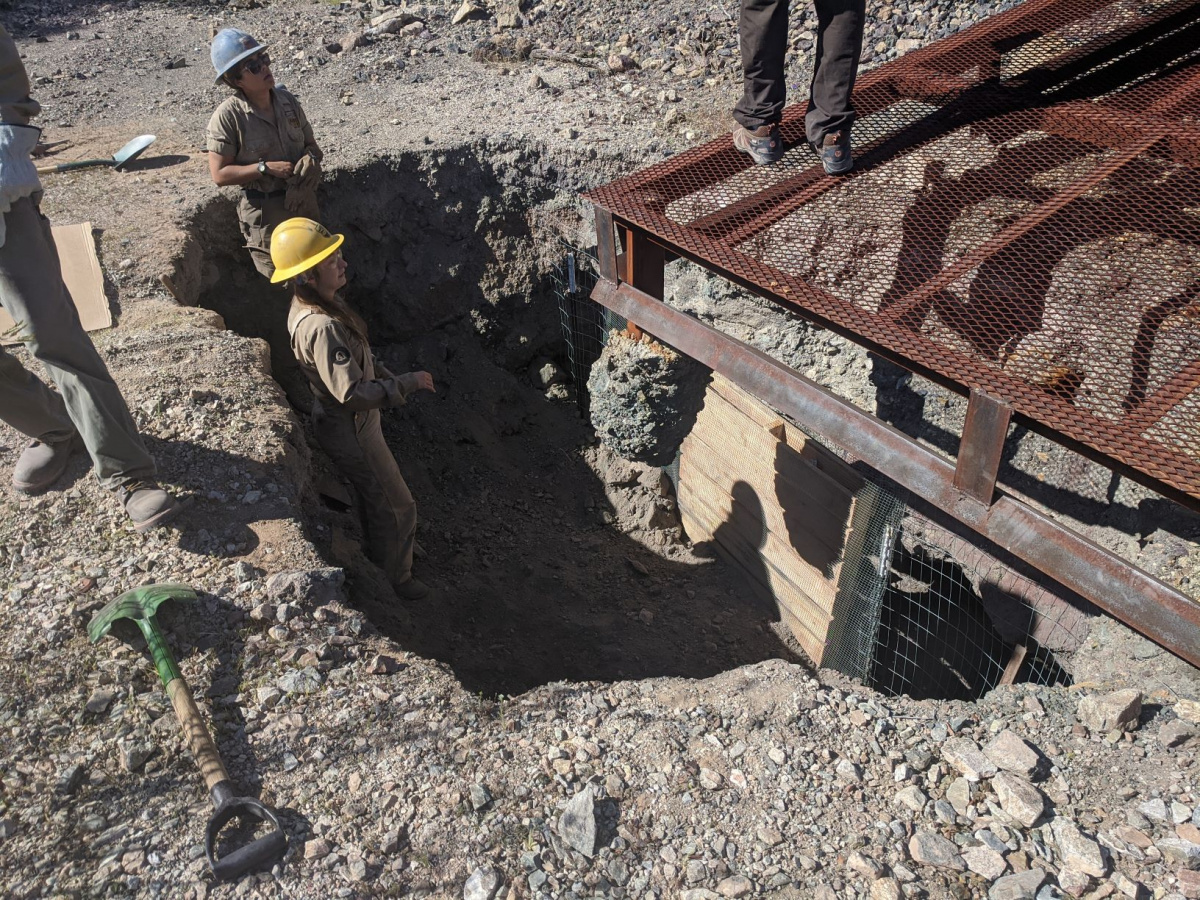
x=260 y=140
x=349 y=389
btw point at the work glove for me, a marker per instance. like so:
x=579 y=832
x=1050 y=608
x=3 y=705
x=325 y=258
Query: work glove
x=302 y=186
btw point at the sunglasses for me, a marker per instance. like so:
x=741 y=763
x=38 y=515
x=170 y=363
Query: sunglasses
x=255 y=64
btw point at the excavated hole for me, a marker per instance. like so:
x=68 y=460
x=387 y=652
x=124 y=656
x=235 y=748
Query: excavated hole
x=538 y=543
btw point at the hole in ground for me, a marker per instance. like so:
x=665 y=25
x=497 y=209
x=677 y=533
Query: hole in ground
x=536 y=540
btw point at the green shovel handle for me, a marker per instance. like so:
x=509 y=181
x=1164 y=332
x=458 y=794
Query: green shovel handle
x=164 y=659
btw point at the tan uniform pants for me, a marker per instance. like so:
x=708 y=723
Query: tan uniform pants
x=385 y=506
x=258 y=218
x=33 y=293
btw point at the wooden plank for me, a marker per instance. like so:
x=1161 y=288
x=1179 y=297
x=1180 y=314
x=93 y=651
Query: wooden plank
x=817 y=531
x=722 y=516
x=824 y=460
x=1014 y=665
x=773 y=502
x=802 y=589
x=805 y=619
x=720 y=417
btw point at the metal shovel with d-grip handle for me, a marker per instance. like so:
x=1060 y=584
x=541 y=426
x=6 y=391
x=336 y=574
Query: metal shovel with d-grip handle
x=140 y=605
x=117 y=161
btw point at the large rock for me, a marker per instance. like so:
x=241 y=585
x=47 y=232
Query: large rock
x=1010 y=753
x=1072 y=883
x=959 y=795
x=964 y=754
x=931 y=849
x=1119 y=710
x=644 y=398
x=1019 y=798
x=1180 y=852
x=482 y=885
x=912 y=797
x=1176 y=733
x=1078 y=851
x=310 y=588
x=577 y=824
x=985 y=861
x=735 y=886
x=1021 y=886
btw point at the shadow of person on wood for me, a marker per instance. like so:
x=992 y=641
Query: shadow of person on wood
x=742 y=539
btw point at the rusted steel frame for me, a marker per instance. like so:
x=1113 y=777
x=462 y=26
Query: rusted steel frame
x=1172 y=392
x=1188 y=90
x=644 y=268
x=1156 y=609
x=644 y=262
x=981 y=446
x=606 y=247
x=1113 y=127
x=1109 y=445
x=1019 y=228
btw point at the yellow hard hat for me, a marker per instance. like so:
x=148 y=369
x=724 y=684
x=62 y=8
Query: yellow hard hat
x=299 y=244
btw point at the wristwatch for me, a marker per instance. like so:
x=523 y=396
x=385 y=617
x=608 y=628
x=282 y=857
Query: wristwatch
x=262 y=167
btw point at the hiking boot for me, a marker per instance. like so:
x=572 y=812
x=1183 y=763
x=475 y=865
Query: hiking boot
x=413 y=589
x=41 y=464
x=764 y=144
x=147 y=504
x=835 y=153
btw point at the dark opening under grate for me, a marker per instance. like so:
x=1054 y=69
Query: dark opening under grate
x=1023 y=218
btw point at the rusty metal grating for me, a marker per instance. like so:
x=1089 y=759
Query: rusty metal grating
x=1023 y=219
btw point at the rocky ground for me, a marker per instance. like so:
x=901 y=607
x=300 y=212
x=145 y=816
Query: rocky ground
x=586 y=706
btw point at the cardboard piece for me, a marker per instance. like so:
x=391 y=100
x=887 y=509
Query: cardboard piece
x=84 y=280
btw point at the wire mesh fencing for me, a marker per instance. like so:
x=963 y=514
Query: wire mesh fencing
x=585 y=324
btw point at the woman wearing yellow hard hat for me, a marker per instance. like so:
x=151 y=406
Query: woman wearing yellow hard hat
x=260 y=140
x=349 y=386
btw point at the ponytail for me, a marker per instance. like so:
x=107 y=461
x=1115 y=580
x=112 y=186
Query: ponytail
x=337 y=308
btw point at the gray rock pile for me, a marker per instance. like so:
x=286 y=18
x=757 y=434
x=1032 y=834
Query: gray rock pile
x=645 y=397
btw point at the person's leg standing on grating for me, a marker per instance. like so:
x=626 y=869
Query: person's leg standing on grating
x=88 y=410
x=763 y=29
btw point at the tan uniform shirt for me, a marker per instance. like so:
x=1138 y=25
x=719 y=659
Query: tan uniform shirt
x=340 y=367
x=16 y=106
x=236 y=130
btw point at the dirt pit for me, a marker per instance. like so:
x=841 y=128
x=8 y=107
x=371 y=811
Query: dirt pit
x=550 y=558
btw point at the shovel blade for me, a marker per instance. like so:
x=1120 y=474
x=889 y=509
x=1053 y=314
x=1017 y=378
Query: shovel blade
x=132 y=150
x=139 y=603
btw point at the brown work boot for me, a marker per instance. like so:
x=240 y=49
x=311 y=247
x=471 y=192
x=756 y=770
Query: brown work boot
x=41 y=464
x=147 y=504
x=835 y=154
x=763 y=144
x=413 y=589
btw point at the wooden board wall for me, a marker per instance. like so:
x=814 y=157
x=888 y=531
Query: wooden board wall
x=773 y=503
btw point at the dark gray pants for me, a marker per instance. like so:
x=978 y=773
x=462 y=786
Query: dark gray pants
x=88 y=400
x=764 y=35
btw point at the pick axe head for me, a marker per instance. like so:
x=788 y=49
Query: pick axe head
x=139 y=604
